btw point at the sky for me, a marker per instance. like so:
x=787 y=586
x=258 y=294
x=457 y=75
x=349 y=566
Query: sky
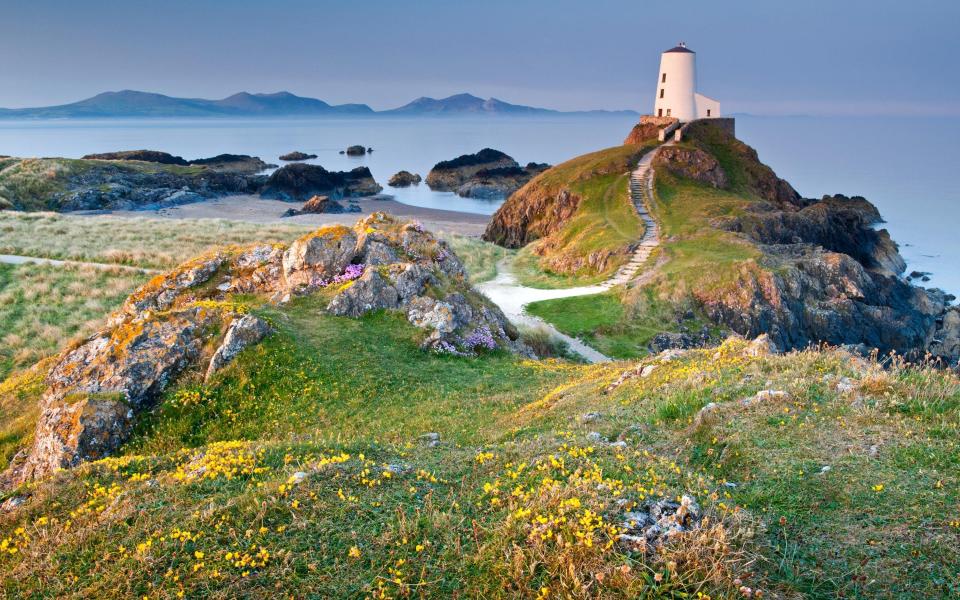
x=823 y=57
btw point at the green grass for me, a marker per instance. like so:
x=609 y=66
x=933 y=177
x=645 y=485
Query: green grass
x=618 y=328
x=479 y=257
x=342 y=380
x=141 y=242
x=325 y=386
x=604 y=225
x=44 y=306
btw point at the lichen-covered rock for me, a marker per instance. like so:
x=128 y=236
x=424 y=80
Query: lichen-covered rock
x=244 y=331
x=324 y=253
x=189 y=320
x=95 y=390
x=371 y=292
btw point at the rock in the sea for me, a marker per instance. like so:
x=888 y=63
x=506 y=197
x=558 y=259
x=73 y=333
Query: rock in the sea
x=154 y=156
x=488 y=174
x=356 y=150
x=448 y=175
x=404 y=179
x=299 y=181
x=296 y=155
x=244 y=331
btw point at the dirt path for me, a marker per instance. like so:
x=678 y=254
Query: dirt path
x=512 y=298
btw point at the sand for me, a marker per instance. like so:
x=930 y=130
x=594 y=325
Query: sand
x=257 y=210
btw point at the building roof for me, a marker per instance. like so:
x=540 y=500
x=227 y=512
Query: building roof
x=680 y=48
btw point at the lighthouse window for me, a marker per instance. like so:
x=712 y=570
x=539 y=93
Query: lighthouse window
x=664 y=78
x=661 y=92
x=660 y=112
x=708 y=112
x=668 y=112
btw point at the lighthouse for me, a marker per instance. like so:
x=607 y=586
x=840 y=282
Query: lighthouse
x=677 y=95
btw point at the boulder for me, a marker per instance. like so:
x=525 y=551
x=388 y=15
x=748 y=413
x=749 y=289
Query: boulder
x=299 y=181
x=371 y=292
x=243 y=332
x=356 y=150
x=296 y=155
x=321 y=254
x=404 y=179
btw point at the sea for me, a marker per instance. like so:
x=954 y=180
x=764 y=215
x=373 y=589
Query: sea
x=904 y=165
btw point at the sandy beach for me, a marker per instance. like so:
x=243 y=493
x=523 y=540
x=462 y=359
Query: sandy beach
x=257 y=210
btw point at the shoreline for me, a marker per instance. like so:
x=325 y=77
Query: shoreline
x=253 y=209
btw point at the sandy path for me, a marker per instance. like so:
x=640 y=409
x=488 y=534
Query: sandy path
x=254 y=209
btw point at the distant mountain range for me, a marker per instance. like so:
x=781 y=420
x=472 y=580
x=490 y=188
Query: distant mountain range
x=129 y=103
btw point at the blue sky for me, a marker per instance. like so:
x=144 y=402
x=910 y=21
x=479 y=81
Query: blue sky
x=765 y=56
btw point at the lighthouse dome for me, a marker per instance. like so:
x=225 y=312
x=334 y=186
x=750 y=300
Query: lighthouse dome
x=681 y=47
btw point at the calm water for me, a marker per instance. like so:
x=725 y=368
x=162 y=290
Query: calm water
x=905 y=166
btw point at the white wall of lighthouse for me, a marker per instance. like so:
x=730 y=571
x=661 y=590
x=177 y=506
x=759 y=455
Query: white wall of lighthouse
x=676 y=94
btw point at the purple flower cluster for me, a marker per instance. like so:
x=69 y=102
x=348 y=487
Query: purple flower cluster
x=481 y=338
x=445 y=347
x=349 y=274
x=441 y=254
x=417 y=226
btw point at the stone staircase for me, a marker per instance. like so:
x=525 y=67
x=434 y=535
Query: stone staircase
x=641 y=193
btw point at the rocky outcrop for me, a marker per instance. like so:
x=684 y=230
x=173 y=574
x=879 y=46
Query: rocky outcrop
x=93 y=184
x=141 y=155
x=244 y=331
x=543 y=206
x=188 y=320
x=241 y=163
x=299 y=181
x=692 y=163
x=356 y=150
x=404 y=179
x=449 y=175
x=296 y=155
x=494 y=184
x=757 y=177
x=648 y=129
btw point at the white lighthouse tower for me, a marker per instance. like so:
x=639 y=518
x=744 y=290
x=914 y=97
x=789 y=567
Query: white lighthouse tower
x=677 y=95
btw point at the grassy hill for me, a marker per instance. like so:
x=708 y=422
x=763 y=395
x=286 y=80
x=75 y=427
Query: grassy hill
x=575 y=220
x=301 y=470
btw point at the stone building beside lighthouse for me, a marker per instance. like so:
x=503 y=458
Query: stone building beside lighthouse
x=677 y=95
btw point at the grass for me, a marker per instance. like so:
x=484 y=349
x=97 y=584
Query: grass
x=595 y=241
x=229 y=516
x=141 y=242
x=479 y=257
x=43 y=306
x=697 y=262
x=618 y=328
x=312 y=388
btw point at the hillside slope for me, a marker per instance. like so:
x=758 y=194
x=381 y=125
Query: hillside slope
x=743 y=251
x=576 y=218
